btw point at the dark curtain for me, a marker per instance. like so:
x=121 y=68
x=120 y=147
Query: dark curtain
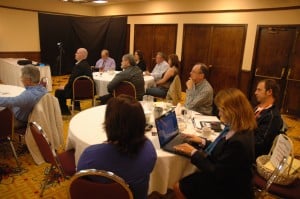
x=92 y=33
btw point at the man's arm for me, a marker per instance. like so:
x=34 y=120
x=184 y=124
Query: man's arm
x=267 y=129
x=18 y=101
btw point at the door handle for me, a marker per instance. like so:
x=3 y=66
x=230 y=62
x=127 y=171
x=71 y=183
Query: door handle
x=288 y=77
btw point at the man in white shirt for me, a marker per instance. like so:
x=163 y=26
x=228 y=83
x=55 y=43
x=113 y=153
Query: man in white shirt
x=160 y=68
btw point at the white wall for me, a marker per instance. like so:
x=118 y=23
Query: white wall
x=18 y=30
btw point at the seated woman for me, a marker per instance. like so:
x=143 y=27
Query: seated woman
x=225 y=165
x=127 y=152
x=163 y=84
x=139 y=59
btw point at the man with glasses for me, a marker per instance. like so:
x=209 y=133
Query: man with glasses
x=199 y=93
x=23 y=104
x=160 y=68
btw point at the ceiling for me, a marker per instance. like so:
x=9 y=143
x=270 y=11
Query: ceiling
x=89 y=2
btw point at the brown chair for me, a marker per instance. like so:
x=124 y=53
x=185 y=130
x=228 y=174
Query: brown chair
x=82 y=187
x=267 y=186
x=7 y=129
x=64 y=162
x=126 y=88
x=83 y=89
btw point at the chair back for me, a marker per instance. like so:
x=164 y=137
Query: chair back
x=82 y=187
x=7 y=123
x=43 y=144
x=44 y=82
x=83 y=88
x=125 y=87
x=174 y=92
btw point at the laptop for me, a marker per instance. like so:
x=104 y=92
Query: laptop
x=168 y=132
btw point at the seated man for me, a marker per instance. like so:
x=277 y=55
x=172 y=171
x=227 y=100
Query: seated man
x=199 y=93
x=82 y=67
x=23 y=104
x=131 y=73
x=160 y=68
x=106 y=63
x=269 y=121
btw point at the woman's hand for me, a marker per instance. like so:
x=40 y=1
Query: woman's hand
x=185 y=149
x=194 y=139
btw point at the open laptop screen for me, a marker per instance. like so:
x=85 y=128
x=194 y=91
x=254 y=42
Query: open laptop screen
x=167 y=127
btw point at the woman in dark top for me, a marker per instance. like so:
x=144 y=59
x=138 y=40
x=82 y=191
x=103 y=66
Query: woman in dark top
x=225 y=165
x=164 y=83
x=127 y=152
x=139 y=59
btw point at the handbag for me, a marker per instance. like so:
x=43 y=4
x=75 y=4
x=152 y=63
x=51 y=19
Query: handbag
x=291 y=170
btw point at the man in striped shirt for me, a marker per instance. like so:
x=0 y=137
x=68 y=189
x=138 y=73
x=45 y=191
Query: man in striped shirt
x=199 y=93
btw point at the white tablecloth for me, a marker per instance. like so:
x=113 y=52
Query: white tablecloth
x=10 y=72
x=10 y=91
x=86 y=128
x=102 y=81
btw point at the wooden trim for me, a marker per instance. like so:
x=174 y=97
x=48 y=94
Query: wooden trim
x=31 y=55
x=245 y=82
x=164 y=13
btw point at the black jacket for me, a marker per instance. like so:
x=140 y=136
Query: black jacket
x=82 y=68
x=269 y=123
x=227 y=172
x=132 y=74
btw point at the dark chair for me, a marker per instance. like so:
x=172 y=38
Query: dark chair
x=83 y=187
x=7 y=129
x=126 y=88
x=83 y=89
x=64 y=162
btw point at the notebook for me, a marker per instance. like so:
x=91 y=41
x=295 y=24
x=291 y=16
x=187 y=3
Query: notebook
x=168 y=132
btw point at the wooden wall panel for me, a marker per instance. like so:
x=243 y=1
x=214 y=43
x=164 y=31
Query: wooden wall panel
x=245 y=82
x=34 y=56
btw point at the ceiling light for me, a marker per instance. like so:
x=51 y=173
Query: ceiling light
x=100 y=1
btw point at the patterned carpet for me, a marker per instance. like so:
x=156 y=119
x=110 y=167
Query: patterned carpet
x=27 y=183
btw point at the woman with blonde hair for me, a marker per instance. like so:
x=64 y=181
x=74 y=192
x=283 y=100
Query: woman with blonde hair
x=225 y=165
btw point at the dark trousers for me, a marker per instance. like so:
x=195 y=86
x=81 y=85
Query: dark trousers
x=62 y=99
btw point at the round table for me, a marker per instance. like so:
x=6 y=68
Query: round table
x=10 y=91
x=103 y=80
x=86 y=128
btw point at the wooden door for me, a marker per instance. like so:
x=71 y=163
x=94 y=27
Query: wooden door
x=152 y=38
x=218 y=46
x=195 y=48
x=272 y=55
x=226 y=55
x=292 y=91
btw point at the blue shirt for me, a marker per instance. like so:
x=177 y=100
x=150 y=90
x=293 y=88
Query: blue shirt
x=106 y=65
x=23 y=104
x=135 y=170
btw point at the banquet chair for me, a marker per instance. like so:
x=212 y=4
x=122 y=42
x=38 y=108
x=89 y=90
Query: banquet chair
x=125 y=87
x=44 y=82
x=63 y=163
x=84 y=185
x=83 y=89
x=174 y=92
x=7 y=130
